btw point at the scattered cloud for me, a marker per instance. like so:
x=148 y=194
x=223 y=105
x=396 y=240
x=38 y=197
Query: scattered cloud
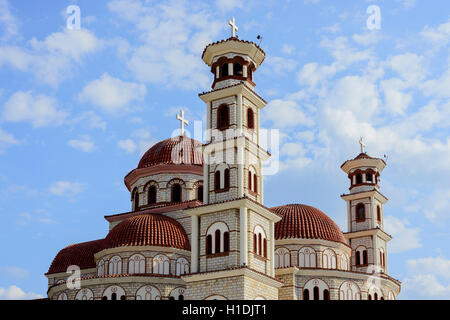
x=84 y=144
x=286 y=113
x=15 y=293
x=38 y=110
x=6 y=140
x=14 y=272
x=66 y=188
x=404 y=238
x=112 y=94
x=8 y=21
x=128 y=145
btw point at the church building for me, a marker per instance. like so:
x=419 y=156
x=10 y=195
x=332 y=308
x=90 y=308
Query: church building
x=198 y=227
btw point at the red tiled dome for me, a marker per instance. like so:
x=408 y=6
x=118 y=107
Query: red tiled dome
x=148 y=230
x=81 y=254
x=306 y=222
x=179 y=150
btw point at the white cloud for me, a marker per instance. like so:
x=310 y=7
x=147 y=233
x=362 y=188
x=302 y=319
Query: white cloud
x=403 y=238
x=438 y=266
x=40 y=110
x=278 y=65
x=287 y=49
x=228 y=5
x=15 y=293
x=286 y=113
x=6 y=139
x=15 y=272
x=128 y=145
x=439 y=35
x=66 y=188
x=112 y=94
x=8 y=21
x=84 y=144
x=425 y=286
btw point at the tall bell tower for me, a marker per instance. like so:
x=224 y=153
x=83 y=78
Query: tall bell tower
x=232 y=240
x=365 y=214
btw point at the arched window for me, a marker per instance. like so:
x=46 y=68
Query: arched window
x=217 y=180
x=136 y=264
x=177 y=294
x=265 y=248
x=326 y=294
x=114 y=296
x=135 y=196
x=365 y=260
x=249 y=180
x=317 y=287
x=361 y=256
x=252 y=180
x=250 y=118
x=176 y=192
x=101 y=268
x=148 y=293
x=200 y=193
x=369 y=297
x=237 y=69
x=214 y=241
x=329 y=259
x=113 y=293
x=161 y=264
x=182 y=266
x=358 y=178
x=115 y=265
x=227 y=178
x=223 y=117
x=360 y=212
x=226 y=241
x=282 y=258
x=369 y=176
x=224 y=70
x=349 y=291
x=378 y=214
x=344 y=262
x=316 y=293
x=382 y=262
x=255 y=183
x=307 y=258
x=217 y=242
x=152 y=195
x=258 y=241
x=255 y=243
x=357 y=258
x=375 y=296
x=208 y=244
x=85 y=294
x=305 y=294
x=123 y=298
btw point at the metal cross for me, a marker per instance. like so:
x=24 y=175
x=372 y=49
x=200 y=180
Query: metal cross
x=362 y=144
x=183 y=121
x=234 y=27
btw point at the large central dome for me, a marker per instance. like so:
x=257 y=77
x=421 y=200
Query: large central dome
x=305 y=222
x=179 y=150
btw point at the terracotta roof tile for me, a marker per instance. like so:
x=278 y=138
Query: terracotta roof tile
x=231 y=39
x=306 y=222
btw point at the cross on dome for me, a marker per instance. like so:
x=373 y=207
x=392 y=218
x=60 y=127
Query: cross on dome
x=362 y=144
x=234 y=27
x=183 y=121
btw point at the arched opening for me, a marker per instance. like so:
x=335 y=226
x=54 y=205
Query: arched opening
x=136 y=199
x=152 y=195
x=113 y=296
x=255 y=243
x=265 y=248
x=208 y=244
x=250 y=119
x=176 y=192
x=224 y=70
x=217 y=240
x=226 y=241
x=359 y=178
x=237 y=69
x=375 y=296
x=249 y=180
x=217 y=180
x=378 y=214
x=171 y=298
x=181 y=297
x=326 y=294
x=104 y=298
x=369 y=297
x=316 y=293
x=306 y=294
x=123 y=298
x=369 y=176
x=200 y=193
x=223 y=117
x=227 y=178
x=259 y=244
x=365 y=262
x=255 y=183
x=358 y=258
x=360 y=212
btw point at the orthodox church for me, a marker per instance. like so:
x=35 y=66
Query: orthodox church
x=198 y=227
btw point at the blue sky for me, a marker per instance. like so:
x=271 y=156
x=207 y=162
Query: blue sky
x=79 y=107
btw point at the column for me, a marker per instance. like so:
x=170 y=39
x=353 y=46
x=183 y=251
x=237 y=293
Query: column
x=205 y=183
x=243 y=232
x=230 y=69
x=239 y=114
x=194 y=244
x=240 y=168
x=272 y=248
x=208 y=122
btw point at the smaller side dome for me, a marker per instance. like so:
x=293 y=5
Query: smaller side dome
x=148 y=230
x=81 y=254
x=305 y=222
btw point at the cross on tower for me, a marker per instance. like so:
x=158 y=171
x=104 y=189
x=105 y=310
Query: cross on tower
x=234 y=27
x=362 y=144
x=183 y=121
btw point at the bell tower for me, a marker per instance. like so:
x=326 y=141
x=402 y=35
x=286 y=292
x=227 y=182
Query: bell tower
x=232 y=234
x=365 y=214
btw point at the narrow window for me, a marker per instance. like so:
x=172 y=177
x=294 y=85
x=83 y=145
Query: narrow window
x=237 y=69
x=123 y=297
x=217 y=180
x=326 y=294
x=223 y=117
x=375 y=296
x=200 y=193
x=226 y=241
x=255 y=183
x=114 y=296
x=369 y=297
x=227 y=178
x=306 y=294
x=250 y=119
x=208 y=244
x=217 y=244
x=316 y=293
x=176 y=192
x=259 y=244
x=360 y=212
x=369 y=176
x=180 y=297
x=378 y=213
x=358 y=258
x=255 y=243
x=152 y=195
x=224 y=70
x=265 y=248
x=359 y=178
x=249 y=181
x=136 y=199
x=384 y=262
x=365 y=257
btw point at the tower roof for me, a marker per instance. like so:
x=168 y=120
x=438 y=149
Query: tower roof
x=363 y=160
